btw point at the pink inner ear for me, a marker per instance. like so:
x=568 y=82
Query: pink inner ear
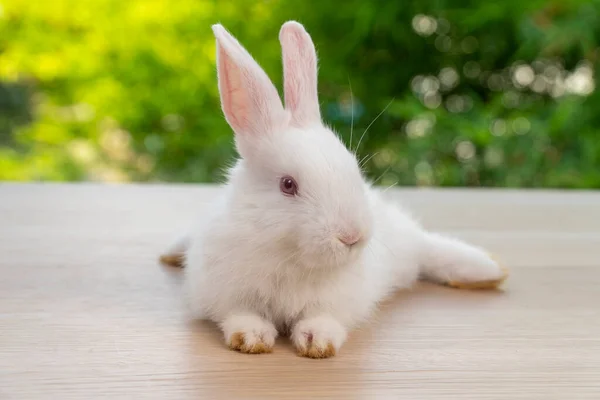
x=293 y=64
x=249 y=100
x=233 y=99
x=300 y=70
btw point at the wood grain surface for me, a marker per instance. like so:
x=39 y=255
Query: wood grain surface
x=86 y=312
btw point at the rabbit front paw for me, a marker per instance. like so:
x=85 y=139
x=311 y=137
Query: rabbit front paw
x=249 y=334
x=319 y=337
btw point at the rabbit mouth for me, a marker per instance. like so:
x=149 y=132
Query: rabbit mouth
x=335 y=255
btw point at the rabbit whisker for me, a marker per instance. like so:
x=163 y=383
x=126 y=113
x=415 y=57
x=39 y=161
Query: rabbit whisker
x=351 y=111
x=389 y=187
x=364 y=162
x=381 y=176
x=372 y=122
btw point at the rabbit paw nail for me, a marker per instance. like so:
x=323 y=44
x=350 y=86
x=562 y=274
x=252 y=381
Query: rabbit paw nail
x=249 y=334
x=249 y=343
x=319 y=337
x=316 y=350
x=172 y=260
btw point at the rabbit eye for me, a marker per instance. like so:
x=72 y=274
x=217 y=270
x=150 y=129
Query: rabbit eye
x=288 y=186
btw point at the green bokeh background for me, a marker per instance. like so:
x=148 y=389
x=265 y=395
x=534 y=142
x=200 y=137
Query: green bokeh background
x=468 y=93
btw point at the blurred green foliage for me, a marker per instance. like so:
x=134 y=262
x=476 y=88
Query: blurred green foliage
x=453 y=93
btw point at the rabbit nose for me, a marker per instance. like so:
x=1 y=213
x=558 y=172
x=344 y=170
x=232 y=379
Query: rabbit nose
x=349 y=239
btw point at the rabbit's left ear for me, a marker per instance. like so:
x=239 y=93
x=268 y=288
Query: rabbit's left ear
x=300 y=75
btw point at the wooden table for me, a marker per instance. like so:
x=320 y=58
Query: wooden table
x=86 y=312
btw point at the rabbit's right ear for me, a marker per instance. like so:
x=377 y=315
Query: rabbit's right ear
x=300 y=74
x=249 y=100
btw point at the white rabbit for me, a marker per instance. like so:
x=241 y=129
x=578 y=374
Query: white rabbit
x=299 y=242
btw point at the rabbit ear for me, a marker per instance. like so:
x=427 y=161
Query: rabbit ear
x=250 y=102
x=300 y=74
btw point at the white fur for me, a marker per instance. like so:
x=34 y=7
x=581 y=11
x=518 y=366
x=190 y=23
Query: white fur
x=263 y=260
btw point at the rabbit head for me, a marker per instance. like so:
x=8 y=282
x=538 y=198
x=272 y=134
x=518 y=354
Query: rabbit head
x=296 y=182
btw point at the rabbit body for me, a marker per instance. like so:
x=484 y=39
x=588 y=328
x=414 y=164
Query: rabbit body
x=299 y=243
